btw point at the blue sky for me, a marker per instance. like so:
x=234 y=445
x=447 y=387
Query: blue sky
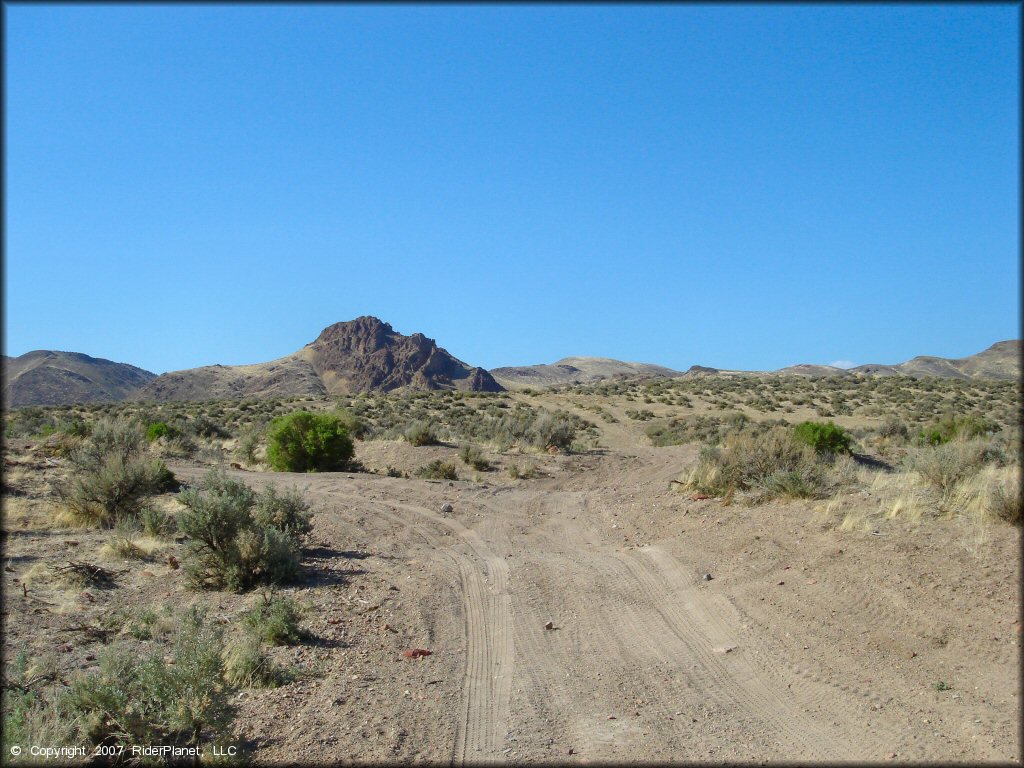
x=736 y=186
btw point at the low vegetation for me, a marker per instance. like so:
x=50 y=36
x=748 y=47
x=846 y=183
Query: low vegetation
x=112 y=475
x=308 y=442
x=239 y=538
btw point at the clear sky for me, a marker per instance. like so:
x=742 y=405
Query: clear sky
x=735 y=186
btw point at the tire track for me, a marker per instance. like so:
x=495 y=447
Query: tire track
x=487 y=684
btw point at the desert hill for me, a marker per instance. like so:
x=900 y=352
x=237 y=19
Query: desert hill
x=1000 y=361
x=577 y=370
x=362 y=355
x=45 y=377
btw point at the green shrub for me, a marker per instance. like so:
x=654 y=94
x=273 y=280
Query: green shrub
x=29 y=718
x=438 y=470
x=420 y=433
x=145 y=701
x=951 y=427
x=287 y=512
x=235 y=542
x=247 y=664
x=111 y=476
x=155 y=522
x=275 y=620
x=308 y=442
x=473 y=456
x=826 y=437
x=160 y=429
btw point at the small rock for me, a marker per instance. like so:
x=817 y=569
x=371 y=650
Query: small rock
x=549 y=625
x=612 y=717
x=725 y=649
x=416 y=653
x=781 y=583
x=707 y=577
x=570 y=750
x=172 y=562
x=447 y=509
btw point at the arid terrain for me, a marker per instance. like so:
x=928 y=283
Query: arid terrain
x=684 y=627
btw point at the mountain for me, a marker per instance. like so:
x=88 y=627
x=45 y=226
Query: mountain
x=577 y=370
x=362 y=355
x=44 y=377
x=1000 y=361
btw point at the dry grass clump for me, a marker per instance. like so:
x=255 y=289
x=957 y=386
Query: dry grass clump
x=771 y=464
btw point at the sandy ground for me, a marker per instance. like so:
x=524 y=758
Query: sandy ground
x=808 y=643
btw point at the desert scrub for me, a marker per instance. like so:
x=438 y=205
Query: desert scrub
x=952 y=427
x=135 y=700
x=420 y=433
x=155 y=522
x=946 y=465
x=773 y=464
x=308 y=442
x=111 y=475
x=474 y=457
x=275 y=620
x=824 y=438
x=527 y=472
x=438 y=470
x=239 y=538
x=29 y=714
x=248 y=665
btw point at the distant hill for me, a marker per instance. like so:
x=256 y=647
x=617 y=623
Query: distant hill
x=362 y=355
x=577 y=370
x=1000 y=361
x=45 y=377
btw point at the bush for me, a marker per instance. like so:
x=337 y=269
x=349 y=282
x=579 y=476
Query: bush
x=235 y=539
x=774 y=463
x=952 y=427
x=247 y=664
x=203 y=426
x=111 y=476
x=554 y=430
x=308 y=442
x=145 y=701
x=826 y=437
x=946 y=465
x=353 y=425
x=1004 y=500
x=420 y=433
x=275 y=620
x=288 y=512
x=473 y=456
x=155 y=523
x=438 y=470
x=160 y=429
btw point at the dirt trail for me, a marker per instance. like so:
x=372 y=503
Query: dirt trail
x=647 y=661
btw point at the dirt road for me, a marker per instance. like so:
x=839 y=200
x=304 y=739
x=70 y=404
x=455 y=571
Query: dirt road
x=806 y=644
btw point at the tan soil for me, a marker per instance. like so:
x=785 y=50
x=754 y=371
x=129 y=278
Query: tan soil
x=809 y=643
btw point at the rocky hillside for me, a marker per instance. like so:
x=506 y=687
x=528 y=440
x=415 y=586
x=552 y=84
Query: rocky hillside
x=44 y=377
x=577 y=370
x=362 y=355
